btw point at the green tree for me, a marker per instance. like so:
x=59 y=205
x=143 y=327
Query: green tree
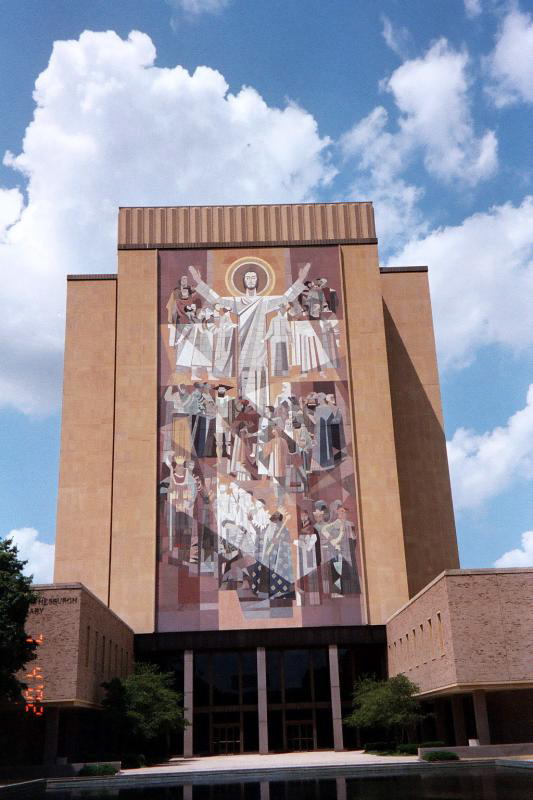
x=15 y=597
x=388 y=704
x=143 y=707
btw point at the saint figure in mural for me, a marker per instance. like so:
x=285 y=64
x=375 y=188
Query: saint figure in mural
x=251 y=310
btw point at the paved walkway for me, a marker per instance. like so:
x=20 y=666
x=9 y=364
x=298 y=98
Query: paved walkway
x=278 y=761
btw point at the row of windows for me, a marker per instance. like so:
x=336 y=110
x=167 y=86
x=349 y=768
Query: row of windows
x=423 y=643
x=106 y=657
x=230 y=678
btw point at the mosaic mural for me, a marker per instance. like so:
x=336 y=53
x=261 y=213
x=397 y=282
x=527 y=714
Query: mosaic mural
x=257 y=498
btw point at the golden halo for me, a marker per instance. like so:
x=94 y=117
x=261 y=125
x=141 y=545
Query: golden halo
x=235 y=273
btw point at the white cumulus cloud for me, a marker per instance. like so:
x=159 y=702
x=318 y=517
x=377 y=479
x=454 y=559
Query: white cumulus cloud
x=484 y=465
x=111 y=129
x=38 y=554
x=511 y=62
x=473 y=8
x=432 y=98
x=520 y=556
x=481 y=276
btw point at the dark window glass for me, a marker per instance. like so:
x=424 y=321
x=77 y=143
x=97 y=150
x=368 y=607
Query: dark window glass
x=221 y=717
x=177 y=668
x=346 y=674
x=370 y=662
x=297 y=675
x=201 y=679
x=273 y=671
x=250 y=732
x=275 y=731
x=321 y=675
x=351 y=737
x=324 y=728
x=301 y=714
x=201 y=734
x=225 y=678
x=249 y=677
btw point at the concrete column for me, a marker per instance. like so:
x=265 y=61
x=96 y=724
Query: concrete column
x=459 y=727
x=262 y=700
x=51 y=730
x=482 y=718
x=188 y=682
x=264 y=790
x=336 y=710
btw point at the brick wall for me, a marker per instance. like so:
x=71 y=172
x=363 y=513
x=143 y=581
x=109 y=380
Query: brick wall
x=81 y=643
x=467 y=628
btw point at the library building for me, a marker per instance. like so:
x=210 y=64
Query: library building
x=254 y=494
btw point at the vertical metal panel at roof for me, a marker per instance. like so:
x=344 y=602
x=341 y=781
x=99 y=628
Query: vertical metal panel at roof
x=227 y=226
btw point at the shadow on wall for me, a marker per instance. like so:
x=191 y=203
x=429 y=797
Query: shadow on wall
x=425 y=492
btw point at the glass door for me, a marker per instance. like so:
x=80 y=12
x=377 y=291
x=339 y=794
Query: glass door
x=300 y=736
x=226 y=738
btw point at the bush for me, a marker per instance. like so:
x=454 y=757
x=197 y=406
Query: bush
x=432 y=744
x=408 y=749
x=440 y=755
x=133 y=760
x=378 y=747
x=97 y=769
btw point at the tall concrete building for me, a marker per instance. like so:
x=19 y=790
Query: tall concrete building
x=254 y=492
x=253 y=465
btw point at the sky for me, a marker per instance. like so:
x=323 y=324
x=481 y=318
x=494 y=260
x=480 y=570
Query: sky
x=422 y=106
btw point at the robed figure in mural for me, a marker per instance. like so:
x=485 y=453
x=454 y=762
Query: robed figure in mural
x=251 y=310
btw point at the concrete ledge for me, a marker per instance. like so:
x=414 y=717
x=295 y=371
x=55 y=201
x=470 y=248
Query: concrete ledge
x=515 y=763
x=484 y=750
x=23 y=789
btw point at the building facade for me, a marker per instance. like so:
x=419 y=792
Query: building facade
x=466 y=641
x=81 y=644
x=253 y=466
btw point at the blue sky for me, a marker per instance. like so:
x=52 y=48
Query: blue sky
x=422 y=106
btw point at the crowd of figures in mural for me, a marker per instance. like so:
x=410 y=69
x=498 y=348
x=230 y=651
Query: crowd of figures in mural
x=257 y=493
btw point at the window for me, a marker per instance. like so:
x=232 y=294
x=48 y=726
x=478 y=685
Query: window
x=102 y=664
x=423 y=645
x=95 y=651
x=297 y=673
x=87 y=645
x=225 y=678
x=431 y=642
x=441 y=637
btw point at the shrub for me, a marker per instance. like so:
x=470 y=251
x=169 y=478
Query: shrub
x=432 y=744
x=440 y=755
x=408 y=749
x=97 y=769
x=378 y=747
x=133 y=760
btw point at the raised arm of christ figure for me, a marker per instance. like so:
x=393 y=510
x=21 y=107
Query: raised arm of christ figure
x=251 y=309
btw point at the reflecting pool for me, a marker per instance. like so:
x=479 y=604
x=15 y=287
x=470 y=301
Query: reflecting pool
x=481 y=783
